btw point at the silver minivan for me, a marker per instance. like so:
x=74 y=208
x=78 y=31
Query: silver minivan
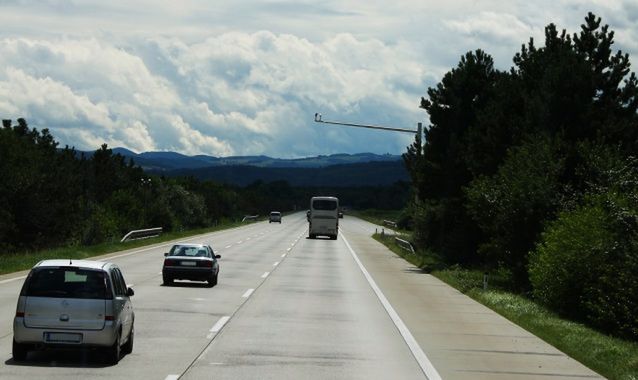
x=74 y=304
x=275 y=217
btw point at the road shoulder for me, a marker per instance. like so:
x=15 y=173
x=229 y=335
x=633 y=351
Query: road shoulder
x=462 y=338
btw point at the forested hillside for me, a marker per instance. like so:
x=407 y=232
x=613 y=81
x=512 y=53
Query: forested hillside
x=360 y=174
x=52 y=197
x=533 y=171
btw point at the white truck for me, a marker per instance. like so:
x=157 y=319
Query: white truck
x=323 y=217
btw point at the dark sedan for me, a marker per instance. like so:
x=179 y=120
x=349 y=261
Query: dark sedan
x=195 y=262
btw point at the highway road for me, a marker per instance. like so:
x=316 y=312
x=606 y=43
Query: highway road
x=287 y=307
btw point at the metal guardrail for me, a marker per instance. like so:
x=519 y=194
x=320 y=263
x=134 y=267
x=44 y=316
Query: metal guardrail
x=390 y=223
x=142 y=234
x=404 y=244
x=250 y=217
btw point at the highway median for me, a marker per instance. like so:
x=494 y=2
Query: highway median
x=16 y=262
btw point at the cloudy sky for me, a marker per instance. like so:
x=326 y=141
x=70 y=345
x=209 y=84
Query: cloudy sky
x=245 y=77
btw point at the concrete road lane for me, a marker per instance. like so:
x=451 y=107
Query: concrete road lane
x=172 y=323
x=316 y=317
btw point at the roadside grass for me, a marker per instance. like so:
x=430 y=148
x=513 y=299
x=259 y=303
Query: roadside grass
x=425 y=262
x=376 y=216
x=611 y=357
x=15 y=262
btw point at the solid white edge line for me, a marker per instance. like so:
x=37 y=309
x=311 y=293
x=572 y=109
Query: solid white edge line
x=425 y=364
x=13 y=279
x=218 y=326
x=248 y=293
x=171 y=377
x=265 y=274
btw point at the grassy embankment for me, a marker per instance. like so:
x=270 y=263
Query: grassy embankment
x=20 y=261
x=611 y=357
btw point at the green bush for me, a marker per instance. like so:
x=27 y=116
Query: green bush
x=445 y=227
x=511 y=206
x=586 y=263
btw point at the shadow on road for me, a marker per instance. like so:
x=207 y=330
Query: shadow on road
x=62 y=358
x=188 y=284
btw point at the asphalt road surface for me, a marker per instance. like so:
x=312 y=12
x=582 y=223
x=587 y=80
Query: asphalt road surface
x=287 y=307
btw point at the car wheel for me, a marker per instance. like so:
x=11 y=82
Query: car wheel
x=127 y=348
x=167 y=280
x=113 y=353
x=212 y=281
x=19 y=351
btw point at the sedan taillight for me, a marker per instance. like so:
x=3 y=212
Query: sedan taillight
x=169 y=263
x=207 y=264
x=19 y=314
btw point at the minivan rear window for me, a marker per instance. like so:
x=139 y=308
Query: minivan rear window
x=324 y=204
x=67 y=283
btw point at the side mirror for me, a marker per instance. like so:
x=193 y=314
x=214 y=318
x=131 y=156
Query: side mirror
x=129 y=292
x=165 y=254
x=218 y=256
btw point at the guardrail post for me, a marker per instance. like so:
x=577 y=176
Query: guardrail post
x=404 y=244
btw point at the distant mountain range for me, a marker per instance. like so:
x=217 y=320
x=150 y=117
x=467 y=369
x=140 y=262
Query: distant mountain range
x=166 y=161
x=340 y=170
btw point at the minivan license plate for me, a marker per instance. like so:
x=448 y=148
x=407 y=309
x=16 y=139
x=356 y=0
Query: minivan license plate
x=53 y=337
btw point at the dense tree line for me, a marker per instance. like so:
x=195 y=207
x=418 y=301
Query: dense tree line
x=533 y=170
x=53 y=197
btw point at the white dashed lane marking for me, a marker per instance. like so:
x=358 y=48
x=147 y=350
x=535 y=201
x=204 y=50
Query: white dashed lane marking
x=218 y=326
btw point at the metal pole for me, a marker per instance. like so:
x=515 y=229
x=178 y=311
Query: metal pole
x=318 y=119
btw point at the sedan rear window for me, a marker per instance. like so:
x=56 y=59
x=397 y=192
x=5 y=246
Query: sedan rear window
x=67 y=283
x=189 y=251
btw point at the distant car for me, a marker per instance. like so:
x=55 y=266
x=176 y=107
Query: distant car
x=340 y=214
x=275 y=217
x=195 y=262
x=74 y=304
